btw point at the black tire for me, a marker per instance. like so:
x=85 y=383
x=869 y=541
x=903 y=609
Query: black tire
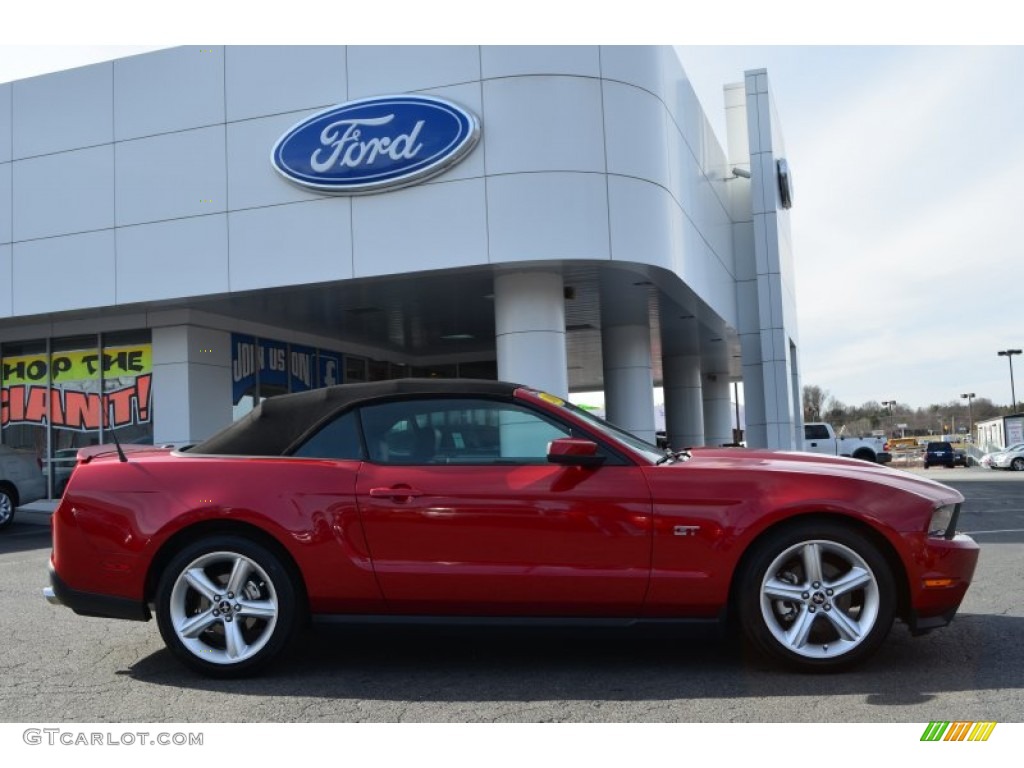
x=211 y=628
x=8 y=503
x=867 y=456
x=827 y=620
x=1017 y=465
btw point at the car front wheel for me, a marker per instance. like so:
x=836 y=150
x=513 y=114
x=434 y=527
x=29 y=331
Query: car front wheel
x=6 y=507
x=1017 y=465
x=817 y=596
x=226 y=606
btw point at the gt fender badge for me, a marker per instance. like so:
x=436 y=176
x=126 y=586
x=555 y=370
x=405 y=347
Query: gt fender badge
x=685 y=530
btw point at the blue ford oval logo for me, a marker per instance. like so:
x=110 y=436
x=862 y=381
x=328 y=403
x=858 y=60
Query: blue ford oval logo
x=375 y=144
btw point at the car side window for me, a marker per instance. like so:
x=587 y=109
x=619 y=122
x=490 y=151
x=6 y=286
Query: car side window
x=815 y=432
x=338 y=439
x=457 y=431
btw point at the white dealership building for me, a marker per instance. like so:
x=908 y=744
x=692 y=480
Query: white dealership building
x=563 y=217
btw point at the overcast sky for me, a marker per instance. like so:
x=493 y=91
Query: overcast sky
x=908 y=165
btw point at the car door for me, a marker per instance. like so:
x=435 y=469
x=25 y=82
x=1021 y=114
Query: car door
x=818 y=440
x=464 y=515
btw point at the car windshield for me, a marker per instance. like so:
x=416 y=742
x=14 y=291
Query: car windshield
x=617 y=434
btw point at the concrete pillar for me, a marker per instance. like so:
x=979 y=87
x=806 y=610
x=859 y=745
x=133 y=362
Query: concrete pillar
x=626 y=354
x=684 y=411
x=529 y=319
x=191 y=383
x=718 y=410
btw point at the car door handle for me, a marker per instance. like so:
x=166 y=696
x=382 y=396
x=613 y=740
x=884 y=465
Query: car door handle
x=397 y=493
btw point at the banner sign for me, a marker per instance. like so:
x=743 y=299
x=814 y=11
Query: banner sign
x=65 y=391
x=279 y=365
x=330 y=369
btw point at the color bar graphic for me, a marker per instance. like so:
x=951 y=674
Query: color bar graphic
x=957 y=731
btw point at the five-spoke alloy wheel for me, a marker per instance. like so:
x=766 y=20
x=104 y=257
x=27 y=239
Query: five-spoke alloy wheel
x=226 y=606
x=817 y=595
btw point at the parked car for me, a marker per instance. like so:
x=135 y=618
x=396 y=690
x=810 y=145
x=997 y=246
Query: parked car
x=939 y=453
x=451 y=501
x=1011 y=457
x=21 y=481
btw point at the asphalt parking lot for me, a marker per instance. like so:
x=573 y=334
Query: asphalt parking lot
x=59 y=667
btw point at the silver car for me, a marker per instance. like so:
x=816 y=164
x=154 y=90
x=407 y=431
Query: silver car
x=21 y=481
x=1008 y=458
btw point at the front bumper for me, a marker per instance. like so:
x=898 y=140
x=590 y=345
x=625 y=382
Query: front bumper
x=90 y=604
x=946 y=567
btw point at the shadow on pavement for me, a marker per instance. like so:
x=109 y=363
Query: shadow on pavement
x=977 y=652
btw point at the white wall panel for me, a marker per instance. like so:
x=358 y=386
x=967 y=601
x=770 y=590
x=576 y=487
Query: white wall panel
x=252 y=180
x=652 y=68
x=433 y=226
x=171 y=90
x=381 y=70
x=5 y=121
x=535 y=216
x=171 y=420
x=63 y=273
x=636 y=133
x=6 y=225
x=515 y=60
x=172 y=259
x=685 y=108
x=290 y=244
x=543 y=124
x=209 y=398
x=6 y=282
x=171 y=176
x=64 y=193
x=270 y=79
x=469 y=97
x=646 y=225
x=720 y=290
x=65 y=110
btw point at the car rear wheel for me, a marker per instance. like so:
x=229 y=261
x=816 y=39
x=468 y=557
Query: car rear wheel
x=7 y=505
x=226 y=606
x=817 y=596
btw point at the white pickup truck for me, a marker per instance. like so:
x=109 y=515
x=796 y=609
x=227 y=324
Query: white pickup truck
x=821 y=438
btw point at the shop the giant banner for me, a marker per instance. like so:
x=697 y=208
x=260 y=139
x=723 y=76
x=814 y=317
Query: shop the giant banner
x=65 y=390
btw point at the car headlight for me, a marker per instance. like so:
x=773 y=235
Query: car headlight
x=943 y=522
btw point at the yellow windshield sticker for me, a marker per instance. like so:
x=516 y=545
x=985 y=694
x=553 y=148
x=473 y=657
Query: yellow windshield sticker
x=551 y=399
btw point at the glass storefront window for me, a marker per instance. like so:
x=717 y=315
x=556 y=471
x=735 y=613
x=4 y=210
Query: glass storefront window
x=24 y=401
x=127 y=370
x=62 y=394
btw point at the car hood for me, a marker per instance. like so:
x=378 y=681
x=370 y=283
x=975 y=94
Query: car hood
x=796 y=462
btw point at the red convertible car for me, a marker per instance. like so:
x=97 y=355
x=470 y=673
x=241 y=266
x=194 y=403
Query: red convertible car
x=419 y=500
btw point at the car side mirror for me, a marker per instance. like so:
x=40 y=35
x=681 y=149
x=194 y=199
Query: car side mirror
x=574 y=452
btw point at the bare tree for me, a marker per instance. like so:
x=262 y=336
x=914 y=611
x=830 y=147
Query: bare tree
x=814 y=402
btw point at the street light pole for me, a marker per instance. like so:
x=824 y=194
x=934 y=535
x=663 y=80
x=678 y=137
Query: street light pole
x=969 y=397
x=1008 y=354
x=890 y=404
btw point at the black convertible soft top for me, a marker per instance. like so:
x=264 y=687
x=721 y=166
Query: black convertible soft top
x=279 y=422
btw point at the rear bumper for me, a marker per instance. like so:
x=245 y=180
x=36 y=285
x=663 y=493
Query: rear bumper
x=90 y=604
